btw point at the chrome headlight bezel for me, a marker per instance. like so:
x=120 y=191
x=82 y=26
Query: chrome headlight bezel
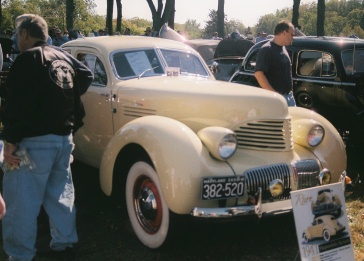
x=221 y=142
x=315 y=135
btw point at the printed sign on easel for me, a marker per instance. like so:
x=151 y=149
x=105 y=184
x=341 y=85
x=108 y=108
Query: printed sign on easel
x=321 y=223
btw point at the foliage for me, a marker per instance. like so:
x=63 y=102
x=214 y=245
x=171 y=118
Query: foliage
x=343 y=18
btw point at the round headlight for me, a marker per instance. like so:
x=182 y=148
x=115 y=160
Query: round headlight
x=325 y=177
x=315 y=135
x=276 y=188
x=227 y=146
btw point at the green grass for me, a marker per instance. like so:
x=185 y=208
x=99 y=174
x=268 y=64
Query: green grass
x=355 y=212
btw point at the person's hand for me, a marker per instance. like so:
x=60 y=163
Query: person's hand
x=2 y=207
x=11 y=161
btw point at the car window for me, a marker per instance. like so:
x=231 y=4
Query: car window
x=137 y=63
x=348 y=56
x=187 y=62
x=251 y=62
x=96 y=67
x=316 y=64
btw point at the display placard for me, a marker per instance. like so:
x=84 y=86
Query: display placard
x=322 y=226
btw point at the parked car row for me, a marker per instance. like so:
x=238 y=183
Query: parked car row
x=328 y=77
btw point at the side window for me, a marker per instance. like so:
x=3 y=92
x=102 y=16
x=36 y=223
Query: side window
x=316 y=64
x=96 y=67
x=251 y=62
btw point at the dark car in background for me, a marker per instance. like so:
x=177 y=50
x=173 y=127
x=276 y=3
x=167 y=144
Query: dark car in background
x=328 y=77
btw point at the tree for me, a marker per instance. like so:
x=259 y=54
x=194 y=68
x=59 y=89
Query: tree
x=296 y=13
x=321 y=18
x=70 y=9
x=161 y=17
x=119 y=9
x=221 y=18
x=109 y=13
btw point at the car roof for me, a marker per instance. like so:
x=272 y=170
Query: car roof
x=233 y=47
x=108 y=44
x=319 y=41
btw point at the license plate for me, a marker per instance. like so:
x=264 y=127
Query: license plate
x=222 y=187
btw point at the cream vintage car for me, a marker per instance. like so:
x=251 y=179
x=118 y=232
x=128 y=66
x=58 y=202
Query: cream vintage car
x=171 y=140
x=324 y=227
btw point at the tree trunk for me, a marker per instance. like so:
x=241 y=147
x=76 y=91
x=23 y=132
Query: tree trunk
x=171 y=12
x=70 y=11
x=161 y=17
x=1 y=14
x=109 y=13
x=321 y=18
x=221 y=18
x=296 y=13
x=119 y=16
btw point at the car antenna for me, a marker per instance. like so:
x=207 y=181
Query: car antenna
x=140 y=75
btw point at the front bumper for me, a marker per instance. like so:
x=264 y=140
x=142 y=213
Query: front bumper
x=258 y=210
x=247 y=210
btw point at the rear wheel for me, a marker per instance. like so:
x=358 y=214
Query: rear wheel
x=147 y=209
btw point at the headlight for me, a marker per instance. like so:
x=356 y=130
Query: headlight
x=276 y=188
x=315 y=135
x=325 y=177
x=227 y=146
x=221 y=142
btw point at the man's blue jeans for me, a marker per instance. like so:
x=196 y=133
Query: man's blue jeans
x=49 y=184
x=290 y=99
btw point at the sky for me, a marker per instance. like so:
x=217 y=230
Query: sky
x=246 y=11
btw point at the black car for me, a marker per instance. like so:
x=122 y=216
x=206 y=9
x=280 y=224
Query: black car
x=328 y=77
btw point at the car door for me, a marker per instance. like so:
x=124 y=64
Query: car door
x=98 y=123
x=315 y=80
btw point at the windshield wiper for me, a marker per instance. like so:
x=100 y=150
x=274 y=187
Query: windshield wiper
x=147 y=70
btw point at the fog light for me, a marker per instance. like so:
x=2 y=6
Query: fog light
x=325 y=177
x=276 y=188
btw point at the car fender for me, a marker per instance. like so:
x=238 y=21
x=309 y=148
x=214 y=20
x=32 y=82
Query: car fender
x=176 y=152
x=331 y=151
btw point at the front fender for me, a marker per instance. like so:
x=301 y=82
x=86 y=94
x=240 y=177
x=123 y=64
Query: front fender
x=331 y=152
x=177 y=154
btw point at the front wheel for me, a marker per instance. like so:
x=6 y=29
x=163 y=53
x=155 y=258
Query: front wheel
x=326 y=235
x=147 y=209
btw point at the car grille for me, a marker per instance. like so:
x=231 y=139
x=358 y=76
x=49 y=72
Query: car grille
x=307 y=171
x=137 y=111
x=269 y=135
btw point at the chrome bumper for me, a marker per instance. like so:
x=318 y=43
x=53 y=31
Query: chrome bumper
x=230 y=211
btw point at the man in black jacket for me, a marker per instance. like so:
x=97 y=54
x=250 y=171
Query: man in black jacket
x=44 y=88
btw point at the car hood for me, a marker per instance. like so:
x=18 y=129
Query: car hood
x=199 y=102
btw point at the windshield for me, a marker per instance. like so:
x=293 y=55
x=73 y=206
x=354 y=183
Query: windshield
x=187 y=62
x=146 y=63
x=353 y=61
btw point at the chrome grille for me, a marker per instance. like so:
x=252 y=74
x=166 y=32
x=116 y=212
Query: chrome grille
x=308 y=173
x=270 y=135
x=261 y=177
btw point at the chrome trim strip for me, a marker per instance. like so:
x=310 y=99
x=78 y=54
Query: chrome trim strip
x=230 y=211
x=311 y=80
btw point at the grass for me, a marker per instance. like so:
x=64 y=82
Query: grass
x=355 y=212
